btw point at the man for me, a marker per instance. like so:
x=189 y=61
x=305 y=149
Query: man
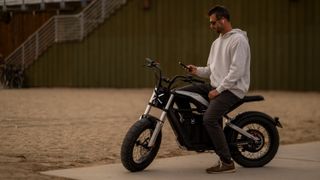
x=228 y=68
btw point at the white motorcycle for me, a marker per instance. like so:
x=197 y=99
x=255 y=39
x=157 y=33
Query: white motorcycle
x=252 y=136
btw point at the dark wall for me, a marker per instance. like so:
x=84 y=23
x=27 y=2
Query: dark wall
x=283 y=37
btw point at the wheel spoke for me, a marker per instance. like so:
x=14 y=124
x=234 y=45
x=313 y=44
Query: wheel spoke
x=141 y=149
x=251 y=149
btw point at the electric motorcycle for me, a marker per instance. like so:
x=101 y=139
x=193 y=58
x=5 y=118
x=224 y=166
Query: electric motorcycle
x=252 y=136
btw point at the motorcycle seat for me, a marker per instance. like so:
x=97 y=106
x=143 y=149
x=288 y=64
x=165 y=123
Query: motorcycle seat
x=245 y=100
x=252 y=98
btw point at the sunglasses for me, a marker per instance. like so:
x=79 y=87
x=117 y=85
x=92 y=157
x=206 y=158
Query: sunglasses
x=214 y=22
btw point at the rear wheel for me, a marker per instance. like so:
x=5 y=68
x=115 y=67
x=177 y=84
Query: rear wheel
x=250 y=153
x=135 y=153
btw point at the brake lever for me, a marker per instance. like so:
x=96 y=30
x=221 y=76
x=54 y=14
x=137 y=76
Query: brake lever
x=151 y=63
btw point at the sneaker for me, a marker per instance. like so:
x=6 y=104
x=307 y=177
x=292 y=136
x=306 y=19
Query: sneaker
x=222 y=167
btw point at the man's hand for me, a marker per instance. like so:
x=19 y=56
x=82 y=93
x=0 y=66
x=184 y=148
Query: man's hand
x=212 y=94
x=193 y=69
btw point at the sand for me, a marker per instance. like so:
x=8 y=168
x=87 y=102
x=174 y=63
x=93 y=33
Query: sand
x=44 y=129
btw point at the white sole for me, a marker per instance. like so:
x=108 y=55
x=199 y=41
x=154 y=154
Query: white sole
x=221 y=172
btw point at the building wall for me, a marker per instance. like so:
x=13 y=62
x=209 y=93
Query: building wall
x=283 y=38
x=20 y=26
x=17 y=25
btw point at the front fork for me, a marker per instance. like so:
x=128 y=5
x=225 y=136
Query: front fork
x=161 y=120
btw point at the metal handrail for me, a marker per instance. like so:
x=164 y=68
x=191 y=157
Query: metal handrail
x=61 y=28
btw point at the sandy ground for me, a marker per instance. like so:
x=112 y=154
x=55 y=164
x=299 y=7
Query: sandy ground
x=43 y=129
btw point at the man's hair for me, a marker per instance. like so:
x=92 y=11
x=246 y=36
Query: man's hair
x=219 y=11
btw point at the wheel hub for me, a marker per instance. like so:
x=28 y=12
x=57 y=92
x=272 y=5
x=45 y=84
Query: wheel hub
x=255 y=146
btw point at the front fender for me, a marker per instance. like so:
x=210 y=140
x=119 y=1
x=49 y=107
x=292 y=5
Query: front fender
x=151 y=118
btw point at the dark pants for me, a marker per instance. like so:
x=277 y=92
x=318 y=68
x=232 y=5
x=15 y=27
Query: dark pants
x=212 y=118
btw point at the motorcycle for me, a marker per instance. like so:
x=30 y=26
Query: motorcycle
x=252 y=136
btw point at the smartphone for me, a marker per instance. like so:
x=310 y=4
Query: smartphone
x=185 y=66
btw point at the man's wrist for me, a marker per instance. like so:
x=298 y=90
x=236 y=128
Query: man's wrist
x=219 y=89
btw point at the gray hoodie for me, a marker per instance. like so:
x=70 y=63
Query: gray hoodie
x=228 y=65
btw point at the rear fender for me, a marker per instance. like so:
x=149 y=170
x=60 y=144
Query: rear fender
x=247 y=114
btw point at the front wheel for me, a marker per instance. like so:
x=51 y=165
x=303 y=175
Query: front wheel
x=249 y=153
x=135 y=153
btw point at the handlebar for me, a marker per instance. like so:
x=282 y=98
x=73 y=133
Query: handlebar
x=187 y=78
x=156 y=66
x=192 y=79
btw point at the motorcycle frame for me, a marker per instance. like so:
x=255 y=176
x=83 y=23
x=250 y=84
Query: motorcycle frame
x=164 y=113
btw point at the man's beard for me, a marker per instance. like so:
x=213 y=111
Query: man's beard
x=219 y=30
